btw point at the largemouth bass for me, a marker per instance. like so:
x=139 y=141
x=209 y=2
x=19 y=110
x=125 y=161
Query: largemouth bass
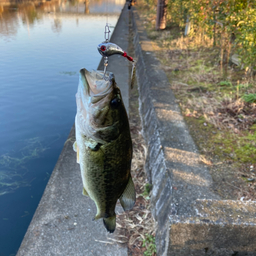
x=103 y=145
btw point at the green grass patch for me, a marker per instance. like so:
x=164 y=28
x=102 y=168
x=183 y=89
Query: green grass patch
x=250 y=98
x=150 y=245
x=239 y=148
x=147 y=189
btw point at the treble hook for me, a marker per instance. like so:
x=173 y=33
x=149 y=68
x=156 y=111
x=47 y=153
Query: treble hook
x=107 y=49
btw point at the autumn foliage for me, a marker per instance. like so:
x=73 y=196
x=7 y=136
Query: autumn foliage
x=230 y=23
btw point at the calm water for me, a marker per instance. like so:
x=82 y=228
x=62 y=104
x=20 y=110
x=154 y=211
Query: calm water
x=42 y=48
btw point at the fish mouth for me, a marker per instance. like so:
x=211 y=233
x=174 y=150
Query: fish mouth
x=96 y=83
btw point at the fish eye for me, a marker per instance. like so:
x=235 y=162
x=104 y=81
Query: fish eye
x=115 y=103
x=103 y=48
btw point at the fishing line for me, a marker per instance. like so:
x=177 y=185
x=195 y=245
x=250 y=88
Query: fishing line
x=107 y=49
x=107 y=14
x=107 y=30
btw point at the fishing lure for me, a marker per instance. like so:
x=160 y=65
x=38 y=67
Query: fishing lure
x=106 y=49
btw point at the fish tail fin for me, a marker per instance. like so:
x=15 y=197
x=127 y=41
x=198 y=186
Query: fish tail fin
x=128 y=198
x=110 y=223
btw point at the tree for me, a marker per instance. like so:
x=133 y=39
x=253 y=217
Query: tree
x=161 y=14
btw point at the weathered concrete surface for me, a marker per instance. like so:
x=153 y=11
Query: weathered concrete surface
x=62 y=224
x=220 y=227
x=184 y=227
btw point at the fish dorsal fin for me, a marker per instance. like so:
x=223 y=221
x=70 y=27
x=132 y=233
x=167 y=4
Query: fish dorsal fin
x=128 y=198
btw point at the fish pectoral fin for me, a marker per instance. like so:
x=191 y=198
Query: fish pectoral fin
x=76 y=149
x=128 y=198
x=75 y=146
x=110 y=223
x=85 y=192
x=77 y=156
x=92 y=144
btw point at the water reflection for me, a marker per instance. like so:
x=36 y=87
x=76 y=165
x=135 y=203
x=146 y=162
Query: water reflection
x=57 y=24
x=9 y=24
x=30 y=56
x=86 y=9
x=31 y=12
x=42 y=48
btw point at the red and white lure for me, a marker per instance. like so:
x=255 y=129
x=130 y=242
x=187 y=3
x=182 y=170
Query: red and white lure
x=106 y=49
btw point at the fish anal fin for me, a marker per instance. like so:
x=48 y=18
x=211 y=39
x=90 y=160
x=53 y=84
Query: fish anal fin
x=110 y=223
x=98 y=215
x=75 y=146
x=128 y=198
x=85 y=192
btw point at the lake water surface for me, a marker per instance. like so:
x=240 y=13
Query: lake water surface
x=42 y=49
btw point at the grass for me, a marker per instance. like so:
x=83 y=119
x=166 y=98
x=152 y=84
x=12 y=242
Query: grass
x=150 y=245
x=147 y=190
x=219 y=106
x=250 y=98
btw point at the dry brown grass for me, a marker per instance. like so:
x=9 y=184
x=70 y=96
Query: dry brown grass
x=220 y=121
x=227 y=113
